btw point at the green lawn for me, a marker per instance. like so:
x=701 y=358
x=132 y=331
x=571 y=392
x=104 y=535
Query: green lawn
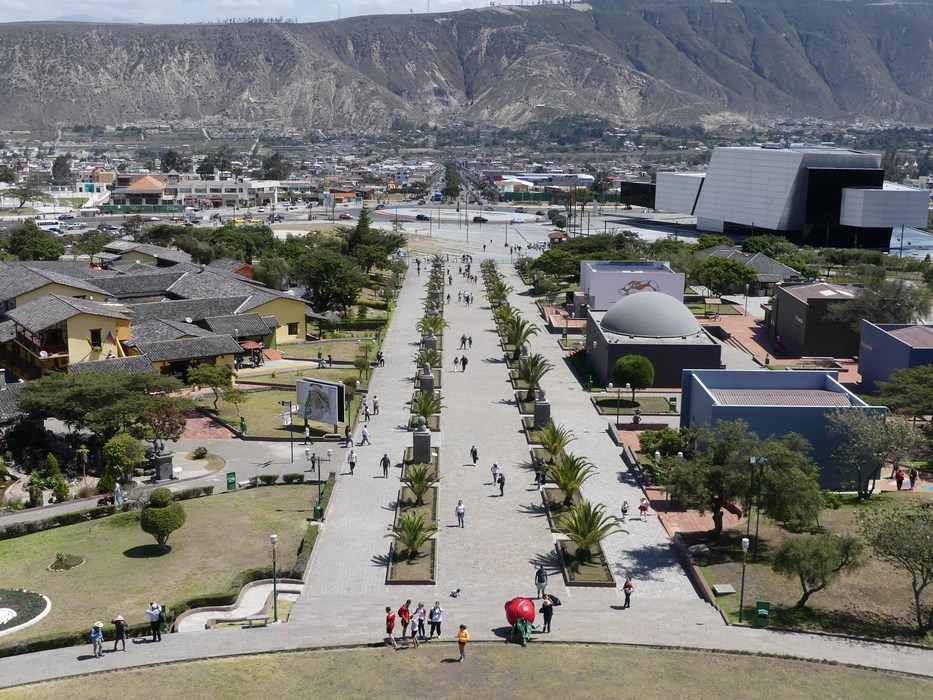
x=590 y=671
x=625 y=406
x=337 y=374
x=123 y=571
x=721 y=309
x=263 y=414
x=853 y=604
x=341 y=350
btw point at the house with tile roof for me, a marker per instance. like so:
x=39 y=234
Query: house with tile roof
x=129 y=251
x=54 y=331
x=144 y=190
x=769 y=271
x=21 y=284
x=176 y=357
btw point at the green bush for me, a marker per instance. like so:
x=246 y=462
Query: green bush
x=161 y=516
x=194 y=492
x=293 y=478
x=160 y=497
x=60 y=491
x=268 y=479
x=60 y=520
x=199 y=452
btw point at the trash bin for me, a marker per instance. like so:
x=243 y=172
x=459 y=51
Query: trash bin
x=672 y=401
x=242 y=424
x=318 y=513
x=231 y=481
x=763 y=615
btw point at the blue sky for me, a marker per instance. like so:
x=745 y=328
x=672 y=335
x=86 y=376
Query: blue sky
x=183 y=11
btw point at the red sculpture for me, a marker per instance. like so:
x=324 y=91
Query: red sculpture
x=520 y=609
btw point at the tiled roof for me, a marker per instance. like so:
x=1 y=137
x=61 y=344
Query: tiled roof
x=272 y=322
x=195 y=309
x=9 y=409
x=19 y=279
x=208 y=283
x=147 y=282
x=7 y=331
x=136 y=364
x=238 y=325
x=768 y=269
x=228 y=264
x=78 y=270
x=52 y=309
x=122 y=247
x=134 y=266
x=915 y=336
x=779 y=397
x=156 y=330
x=189 y=348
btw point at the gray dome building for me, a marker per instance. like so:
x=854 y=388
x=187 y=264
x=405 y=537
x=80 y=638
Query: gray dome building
x=654 y=325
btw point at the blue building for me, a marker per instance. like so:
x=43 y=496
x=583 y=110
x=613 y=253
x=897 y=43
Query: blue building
x=774 y=403
x=885 y=347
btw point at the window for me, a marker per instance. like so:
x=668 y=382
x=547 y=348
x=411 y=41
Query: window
x=293 y=328
x=96 y=338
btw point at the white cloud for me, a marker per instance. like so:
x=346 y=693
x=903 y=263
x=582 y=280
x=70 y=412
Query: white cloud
x=181 y=11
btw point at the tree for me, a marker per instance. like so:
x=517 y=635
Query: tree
x=903 y=537
x=768 y=244
x=518 y=331
x=173 y=160
x=426 y=404
x=909 y=391
x=667 y=441
x=412 y=530
x=428 y=356
x=553 y=439
x=586 y=524
x=161 y=419
x=497 y=291
x=61 y=170
x=275 y=167
x=419 y=479
x=26 y=192
x=722 y=274
x=161 y=516
x=28 y=242
x=331 y=280
x=569 y=472
x=234 y=397
x=862 y=443
x=431 y=325
x=122 y=454
x=816 y=561
x=272 y=271
x=531 y=370
x=214 y=376
x=883 y=301
x=634 y=370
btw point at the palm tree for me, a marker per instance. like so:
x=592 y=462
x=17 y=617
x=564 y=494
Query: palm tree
x=517 y=332
x=586 y=524
x=432 y=324
x=428 y=356
x=553 y=439
x=505 y=313
x=569 y=472
x=419 y=478
x=426 y=404
x=412 y=530
x=531 y=370
x=498 y=291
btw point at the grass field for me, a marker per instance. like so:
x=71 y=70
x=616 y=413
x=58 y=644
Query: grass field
x=873 y=601
x=341 y=350
x=492 y=670
x=123 y=571
x=263 y=413
x=624 y=406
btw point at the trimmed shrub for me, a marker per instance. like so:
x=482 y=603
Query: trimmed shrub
x=60 y=520
x=293 y=478
x=199 y=452
x=194 y=492
x=268 y=479
x=161 y=516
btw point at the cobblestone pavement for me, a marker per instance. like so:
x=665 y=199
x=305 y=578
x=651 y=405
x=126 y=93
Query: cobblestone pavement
x=493 y=558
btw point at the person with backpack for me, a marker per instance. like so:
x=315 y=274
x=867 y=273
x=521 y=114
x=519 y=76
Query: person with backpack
x=541 y=580
x=119 y=632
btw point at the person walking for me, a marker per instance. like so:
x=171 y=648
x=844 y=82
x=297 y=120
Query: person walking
x=463 y=363
x=501 y=483
x=470 y=342
x=351 y=461
x=307 y=433
x=462 y=638
x=495 y=473
x=330 y=361
x=540 y=580
x=375 y=405
x=386 y=463
x=643 y=508
x=461 y=511
x=913 y=477
x=119 y=636
x=421 y=613
x=155 y=621
x=347 y=437
x=624 y=510
x=547 y=611
x=899 y=478
x=474 y=455
x=463 y=341
x=97 y=639
x=404 y=615
x=627 y=590
x=414 y=633
x=365 y=435
x=456 y=364
x=390 y=626
x=366 y=413
x=434 y=618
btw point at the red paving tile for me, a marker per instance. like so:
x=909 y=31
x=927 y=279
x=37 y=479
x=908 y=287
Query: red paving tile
x=203 y=428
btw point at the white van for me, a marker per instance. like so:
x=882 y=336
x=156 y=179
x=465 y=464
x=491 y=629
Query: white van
x=50 y=225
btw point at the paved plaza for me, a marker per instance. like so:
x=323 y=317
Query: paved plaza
x=493 y=558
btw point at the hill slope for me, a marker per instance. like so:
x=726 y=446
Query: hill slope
x=629 y=60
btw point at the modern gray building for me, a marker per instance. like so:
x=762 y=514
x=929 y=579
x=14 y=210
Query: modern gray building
x=813 y=195
x=656 y=326
x=885 y=347
x=799 y=316
x=774 y=403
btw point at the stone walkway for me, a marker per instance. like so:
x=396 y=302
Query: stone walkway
x=493 y=558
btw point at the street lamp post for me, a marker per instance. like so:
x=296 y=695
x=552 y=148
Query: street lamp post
x=657 y=466
x=755 y=461
x=291 y=433
x=274 y=539
x=742 y=594
x=746 y=298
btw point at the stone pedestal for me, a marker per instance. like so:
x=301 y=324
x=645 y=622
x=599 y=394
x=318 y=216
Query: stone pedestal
x=430 y=342
x=163 y=466
x=426 y=382
x=421 y=452
x=542 y=414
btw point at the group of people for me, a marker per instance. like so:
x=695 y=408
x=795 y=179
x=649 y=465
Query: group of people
x=899 y=478
x=416 y=619
x=154 y=612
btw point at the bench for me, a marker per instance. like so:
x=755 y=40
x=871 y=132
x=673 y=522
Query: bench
x=264 y=619
x=246 y=483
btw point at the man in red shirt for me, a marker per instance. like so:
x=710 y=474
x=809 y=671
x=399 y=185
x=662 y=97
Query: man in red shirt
x=404 y=614
x=390 y=625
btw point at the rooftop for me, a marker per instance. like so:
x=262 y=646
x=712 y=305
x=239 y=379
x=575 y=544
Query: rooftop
x=779 y=397
x=915 y=336
x=822 y=290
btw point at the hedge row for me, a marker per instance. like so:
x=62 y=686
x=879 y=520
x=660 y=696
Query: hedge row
x=194 y=492
x=60 y=520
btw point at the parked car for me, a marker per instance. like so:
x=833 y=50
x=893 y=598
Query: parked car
x=423 y=217
x=480 y=220
x=539 y=213
x=346 y=217
x=65 y=217
x=517 y=220
x=519 y=210
x=489 y=208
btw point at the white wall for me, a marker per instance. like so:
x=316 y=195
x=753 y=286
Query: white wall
x=606 y=286
x=676 y=192
x=884 y=208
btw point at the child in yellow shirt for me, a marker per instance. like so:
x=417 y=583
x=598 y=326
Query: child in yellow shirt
x=462 y=638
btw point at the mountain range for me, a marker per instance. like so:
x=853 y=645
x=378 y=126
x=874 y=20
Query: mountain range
x=632 y=61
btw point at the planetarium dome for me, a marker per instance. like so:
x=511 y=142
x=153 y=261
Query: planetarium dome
x=650 y=315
